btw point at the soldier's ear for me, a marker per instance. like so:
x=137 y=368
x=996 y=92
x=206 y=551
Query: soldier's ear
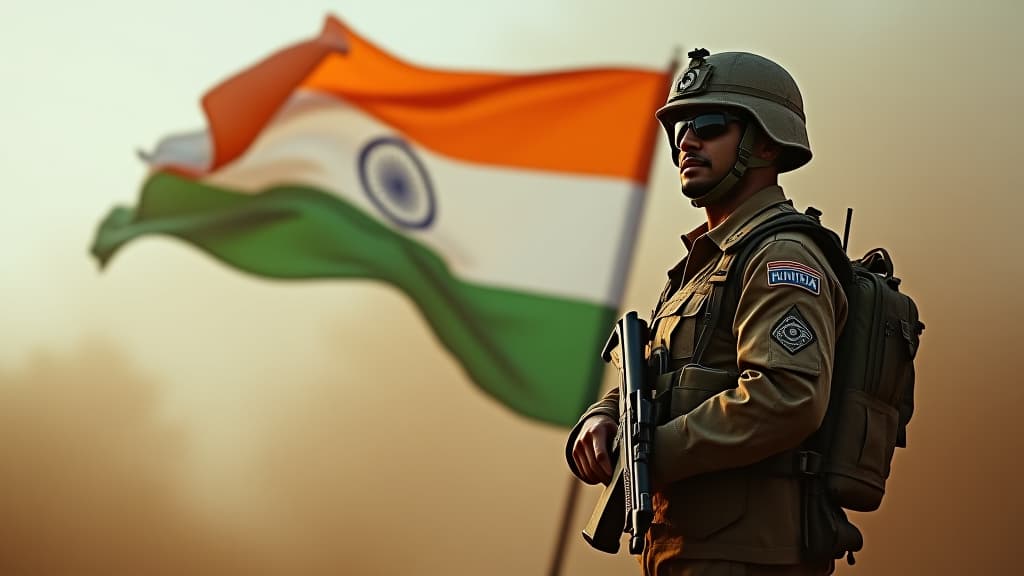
x=766 y=149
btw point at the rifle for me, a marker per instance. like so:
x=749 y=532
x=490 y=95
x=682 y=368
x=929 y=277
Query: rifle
x=625 y=504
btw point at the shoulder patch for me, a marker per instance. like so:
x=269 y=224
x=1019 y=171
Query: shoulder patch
x=792 y=332
x=788 y=273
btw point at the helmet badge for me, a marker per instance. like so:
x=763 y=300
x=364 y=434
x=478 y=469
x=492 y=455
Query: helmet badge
x=687 y=80
x=692 y=81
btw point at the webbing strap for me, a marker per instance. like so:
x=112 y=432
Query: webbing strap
x=745 y=248
x=707 y=326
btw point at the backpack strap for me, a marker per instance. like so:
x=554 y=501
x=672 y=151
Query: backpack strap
x=725 y=296
x=826 y=530
x=724 y=299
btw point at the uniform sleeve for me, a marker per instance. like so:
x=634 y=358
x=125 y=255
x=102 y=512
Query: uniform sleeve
x=785 y=327
x=608 y=405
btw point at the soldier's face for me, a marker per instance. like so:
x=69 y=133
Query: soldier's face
x=703 y=162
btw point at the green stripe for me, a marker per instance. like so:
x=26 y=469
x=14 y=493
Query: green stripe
x=536 y=354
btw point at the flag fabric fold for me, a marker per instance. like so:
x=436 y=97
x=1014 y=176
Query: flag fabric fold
x=503 y=205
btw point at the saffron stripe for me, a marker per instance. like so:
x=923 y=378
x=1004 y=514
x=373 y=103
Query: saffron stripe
x=571 y=121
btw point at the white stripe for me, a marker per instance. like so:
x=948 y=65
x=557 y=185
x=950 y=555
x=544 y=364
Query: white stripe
x=192 y=151
x=556 y=234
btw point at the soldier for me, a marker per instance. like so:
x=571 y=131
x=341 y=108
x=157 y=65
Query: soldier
x=756 y=383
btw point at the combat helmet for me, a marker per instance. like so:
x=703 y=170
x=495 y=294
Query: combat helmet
x=745 y=81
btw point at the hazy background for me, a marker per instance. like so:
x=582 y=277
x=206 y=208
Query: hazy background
x=173 y=416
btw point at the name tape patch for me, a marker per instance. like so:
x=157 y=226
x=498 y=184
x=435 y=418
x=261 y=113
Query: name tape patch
x=786 y=273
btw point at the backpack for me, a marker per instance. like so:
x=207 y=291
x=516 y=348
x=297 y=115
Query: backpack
x=845 y=463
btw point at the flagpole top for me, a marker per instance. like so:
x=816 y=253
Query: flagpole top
x=673 y=65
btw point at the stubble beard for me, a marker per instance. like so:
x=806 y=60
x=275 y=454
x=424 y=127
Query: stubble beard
x=694 y=190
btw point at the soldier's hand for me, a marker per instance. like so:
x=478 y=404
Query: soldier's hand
x=592 y=450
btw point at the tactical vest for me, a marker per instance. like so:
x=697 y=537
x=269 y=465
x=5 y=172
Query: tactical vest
x=845 y=464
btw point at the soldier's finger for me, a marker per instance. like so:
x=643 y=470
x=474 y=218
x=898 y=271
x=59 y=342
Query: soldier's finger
x=602 y=460
x=597 y=467
x=584 y=463
x=587 y=474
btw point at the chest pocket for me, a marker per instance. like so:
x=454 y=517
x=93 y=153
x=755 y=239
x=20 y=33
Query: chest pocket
x=676 y=324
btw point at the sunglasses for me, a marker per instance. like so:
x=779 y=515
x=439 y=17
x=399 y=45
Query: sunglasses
x=706 y=126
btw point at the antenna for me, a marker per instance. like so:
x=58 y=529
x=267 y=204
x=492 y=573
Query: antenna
x=846 y=232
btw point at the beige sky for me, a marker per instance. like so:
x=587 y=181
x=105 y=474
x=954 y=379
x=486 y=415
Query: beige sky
x=174 y=416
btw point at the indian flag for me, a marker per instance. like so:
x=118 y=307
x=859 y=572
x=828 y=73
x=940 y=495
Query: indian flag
x=504 y=205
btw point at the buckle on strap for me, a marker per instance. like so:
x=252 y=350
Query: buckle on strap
x=809 y=462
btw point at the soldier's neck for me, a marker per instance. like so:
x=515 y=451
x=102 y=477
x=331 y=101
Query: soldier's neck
x=752 y=182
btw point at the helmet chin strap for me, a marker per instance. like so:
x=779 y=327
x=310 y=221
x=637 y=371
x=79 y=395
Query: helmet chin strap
x=744 y=160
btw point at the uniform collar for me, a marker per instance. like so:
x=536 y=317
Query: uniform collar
x=758 y=208
x=690 y=237
x=749 y=214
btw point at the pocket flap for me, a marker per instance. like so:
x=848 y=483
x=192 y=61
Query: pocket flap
x=696 y=385
x=693 y=304
x=686 y=302
x=671 y=307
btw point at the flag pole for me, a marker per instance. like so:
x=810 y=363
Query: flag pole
x=572 y=494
